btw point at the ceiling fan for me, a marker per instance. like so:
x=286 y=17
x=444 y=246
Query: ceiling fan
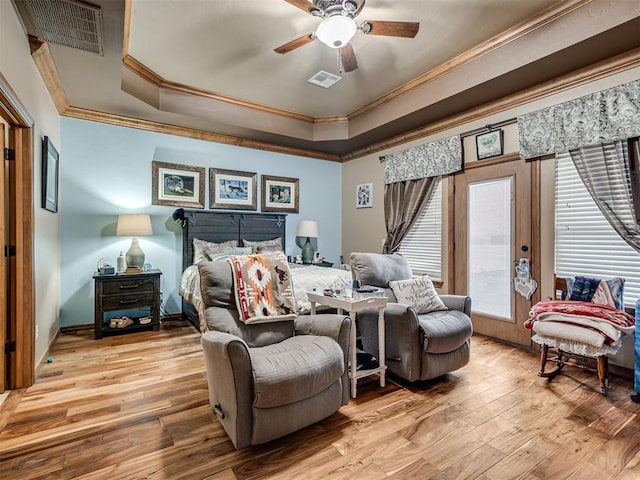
x=338 y=27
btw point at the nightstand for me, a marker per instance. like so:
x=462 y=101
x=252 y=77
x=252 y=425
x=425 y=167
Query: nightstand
x=126 y=291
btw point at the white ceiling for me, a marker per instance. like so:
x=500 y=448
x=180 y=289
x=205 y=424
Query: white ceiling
x=210 y=64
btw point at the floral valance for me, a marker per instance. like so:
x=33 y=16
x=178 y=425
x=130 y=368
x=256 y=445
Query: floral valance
x=433 y=159
x=606 y=116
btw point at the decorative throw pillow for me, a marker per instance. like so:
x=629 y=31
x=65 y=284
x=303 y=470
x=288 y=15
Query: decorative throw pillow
x=203 y=250
x=263 y=243
x=605 y=292
x=242 y=250
x=418 y=293
x=583 y=288
x=610 y=292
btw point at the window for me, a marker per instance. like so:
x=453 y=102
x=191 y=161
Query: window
x=586 y=244
x=422 y=247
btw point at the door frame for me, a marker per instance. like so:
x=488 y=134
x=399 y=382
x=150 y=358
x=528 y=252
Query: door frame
x=20 y=318
x=534 y=251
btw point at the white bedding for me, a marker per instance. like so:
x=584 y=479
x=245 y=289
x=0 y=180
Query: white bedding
x=304 y=279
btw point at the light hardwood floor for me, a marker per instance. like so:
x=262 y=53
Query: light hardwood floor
x=136 y=406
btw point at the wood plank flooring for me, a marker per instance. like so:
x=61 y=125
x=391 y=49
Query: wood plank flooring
x=136 y=407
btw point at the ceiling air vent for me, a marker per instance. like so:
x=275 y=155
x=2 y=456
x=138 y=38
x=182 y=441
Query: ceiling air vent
x=65 y=22
x=324 y=79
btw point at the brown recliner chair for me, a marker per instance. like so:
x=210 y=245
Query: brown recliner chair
x=267 y=380
x=417 y=346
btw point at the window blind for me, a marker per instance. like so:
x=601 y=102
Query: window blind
x=422 y=247
x=586 y=244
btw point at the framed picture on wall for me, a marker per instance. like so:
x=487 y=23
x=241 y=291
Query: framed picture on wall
x=232 y=189
x=50 y=167
x=177 y=185
x=490 y=144
x=364 y=195
x=280 y=194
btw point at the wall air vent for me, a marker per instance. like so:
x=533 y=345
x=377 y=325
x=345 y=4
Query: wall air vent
x=65 y=22
x=324 y=79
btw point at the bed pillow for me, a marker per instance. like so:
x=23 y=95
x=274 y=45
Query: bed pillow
x=418 y=293
x=277 y=242
x=268 y=248
x=242 y=250
x=203 y=250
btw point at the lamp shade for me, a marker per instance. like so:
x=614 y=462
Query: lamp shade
x=336 y=31
x=307 y=228
x=134 y=225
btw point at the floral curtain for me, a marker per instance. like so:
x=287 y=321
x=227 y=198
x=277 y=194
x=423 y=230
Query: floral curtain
x=606 y=116
x=441 y=157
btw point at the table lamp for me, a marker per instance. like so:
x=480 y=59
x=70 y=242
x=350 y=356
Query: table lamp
x=134 y=226
x=307 y=228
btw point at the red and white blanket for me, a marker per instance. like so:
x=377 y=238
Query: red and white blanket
x=263 y=287
x=580 y=321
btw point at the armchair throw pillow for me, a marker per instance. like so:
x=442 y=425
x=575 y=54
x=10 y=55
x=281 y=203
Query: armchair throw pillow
x=418 y=293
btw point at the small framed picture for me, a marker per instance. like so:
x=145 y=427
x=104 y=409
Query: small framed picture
x=280 y=194
x=364 y=195
x=177 y=185
x=489 y=144
x=50 y=167
x=232 y=189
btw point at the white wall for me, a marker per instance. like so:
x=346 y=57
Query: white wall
x=19 y=70
x=106 y=170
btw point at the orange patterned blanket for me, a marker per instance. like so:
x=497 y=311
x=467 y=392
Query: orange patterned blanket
x=263 y=287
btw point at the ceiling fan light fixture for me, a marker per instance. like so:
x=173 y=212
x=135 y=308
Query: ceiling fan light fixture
x=336 y=31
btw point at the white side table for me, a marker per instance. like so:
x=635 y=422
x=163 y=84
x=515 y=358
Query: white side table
x=352 y=306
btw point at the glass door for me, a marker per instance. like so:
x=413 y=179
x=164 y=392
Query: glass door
x=490 y=239
x=492 y=206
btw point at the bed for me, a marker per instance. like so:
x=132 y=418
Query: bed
x=219 y=227
x=586 y=323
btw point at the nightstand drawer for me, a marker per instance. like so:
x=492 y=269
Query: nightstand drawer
x=129 y=286
x=118 y=302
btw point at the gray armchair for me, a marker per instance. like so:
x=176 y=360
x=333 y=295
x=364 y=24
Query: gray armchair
x=270 y=379
x=418 y=346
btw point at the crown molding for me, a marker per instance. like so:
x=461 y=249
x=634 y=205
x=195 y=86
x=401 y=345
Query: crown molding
x=41 y=55
x=523 y=28
x=122 y=121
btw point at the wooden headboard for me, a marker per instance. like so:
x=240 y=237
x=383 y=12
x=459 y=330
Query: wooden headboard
x=222 y=226
x=219 y=227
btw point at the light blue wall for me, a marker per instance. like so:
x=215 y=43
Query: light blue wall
x=106 y=170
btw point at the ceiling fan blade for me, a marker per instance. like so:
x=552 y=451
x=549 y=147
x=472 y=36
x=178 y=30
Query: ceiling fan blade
x=348 y=58
x=391 y=29
x=303 y=5
x=296 y=43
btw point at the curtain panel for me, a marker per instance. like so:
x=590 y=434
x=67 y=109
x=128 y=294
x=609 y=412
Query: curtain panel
x=403 y=203
x=606 y=116
x=434 y=159
x=609 y=171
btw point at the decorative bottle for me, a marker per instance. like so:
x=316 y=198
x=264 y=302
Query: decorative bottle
x=121 y=263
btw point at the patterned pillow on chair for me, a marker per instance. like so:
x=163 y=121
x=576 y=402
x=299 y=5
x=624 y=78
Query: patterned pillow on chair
x=604 y=292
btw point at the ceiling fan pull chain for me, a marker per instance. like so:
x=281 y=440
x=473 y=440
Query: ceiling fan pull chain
x=340 y=67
